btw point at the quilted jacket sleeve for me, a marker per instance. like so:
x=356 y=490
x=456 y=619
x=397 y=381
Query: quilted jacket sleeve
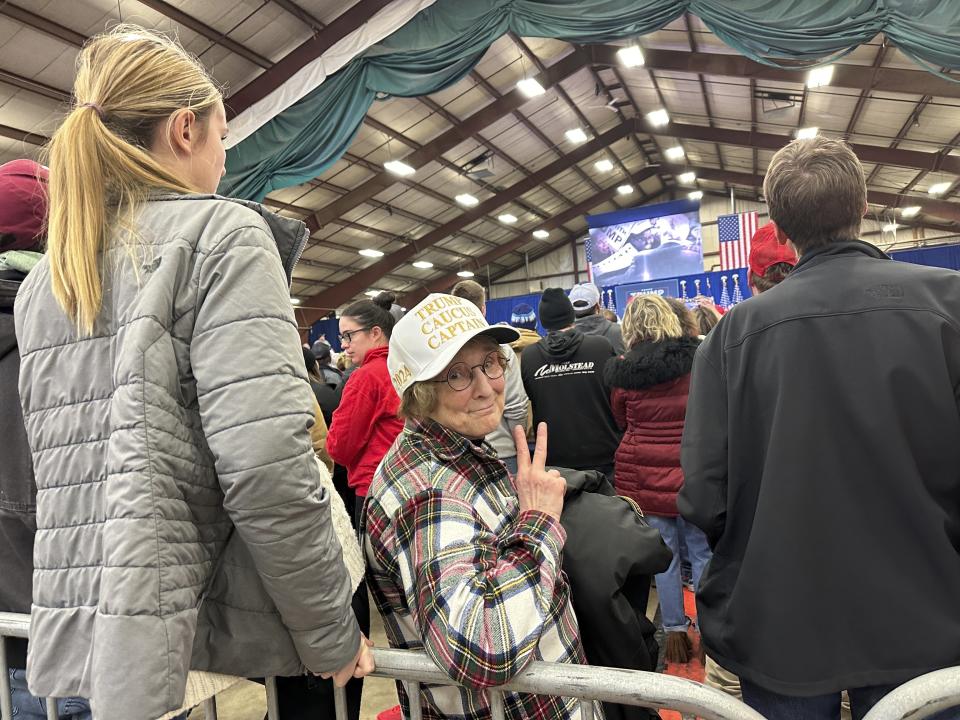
x=257 y=407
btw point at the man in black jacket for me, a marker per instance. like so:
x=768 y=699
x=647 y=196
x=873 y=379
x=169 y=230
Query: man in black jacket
x=821 y=458
x=563 y=377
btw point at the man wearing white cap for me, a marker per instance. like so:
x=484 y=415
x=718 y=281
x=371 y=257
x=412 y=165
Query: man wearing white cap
x=585 y=299
x=462 y=562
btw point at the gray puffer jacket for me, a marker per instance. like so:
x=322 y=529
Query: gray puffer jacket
x=181 y=523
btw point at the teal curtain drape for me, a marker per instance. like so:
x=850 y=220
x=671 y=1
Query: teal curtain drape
x=442 y=44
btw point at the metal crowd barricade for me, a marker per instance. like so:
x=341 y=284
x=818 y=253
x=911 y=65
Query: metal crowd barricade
x=585 y=682
x=921 y=697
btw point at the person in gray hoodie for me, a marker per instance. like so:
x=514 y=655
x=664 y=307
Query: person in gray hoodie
x=585 y=299
x=182 y=519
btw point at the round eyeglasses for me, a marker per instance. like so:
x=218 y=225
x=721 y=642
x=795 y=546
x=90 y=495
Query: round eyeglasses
x=460 y=375
x=346 y=337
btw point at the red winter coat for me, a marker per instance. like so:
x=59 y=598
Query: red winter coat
x=649 y=399
x=365 y=424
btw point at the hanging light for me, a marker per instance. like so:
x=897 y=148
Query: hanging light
x=630 y=56
x=541 y=234
x=603 y=165
x=576 y=135
x=625 y=189
x=507 y=218
x=939 y=188
x=398 y=167
x=807 y=133
x=910 y=211
x=658 y=118
x=423 y=264
x=530 y=87
x=687 y=178
x=674 y=153
x=466 y=199
x=370 y=252
x=465 y=274
x=695 y=195
x=818 y=77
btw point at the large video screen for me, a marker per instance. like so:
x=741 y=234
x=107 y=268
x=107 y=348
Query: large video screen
x=645 y=243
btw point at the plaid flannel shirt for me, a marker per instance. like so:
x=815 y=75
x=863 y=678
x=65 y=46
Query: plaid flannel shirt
x=457 y=570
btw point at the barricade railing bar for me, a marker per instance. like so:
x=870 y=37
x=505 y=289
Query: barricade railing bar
x=921 y=697
x=915 y=700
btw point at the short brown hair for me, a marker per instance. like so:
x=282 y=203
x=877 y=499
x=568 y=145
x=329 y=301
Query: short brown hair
x=707 y=318
x=470 y=290
x=688 y=323
x=816 y=192
x=773 y=276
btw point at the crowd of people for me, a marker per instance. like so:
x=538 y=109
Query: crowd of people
x=169 y=504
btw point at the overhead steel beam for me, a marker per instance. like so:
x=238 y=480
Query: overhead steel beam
x=42 y=24
x=347 y=289
x=449 y=139
x=215 y=36
x=307 y=52
x=34 y=86
x=912 y=82
x=930 y=207
x=767 y=141
x=23 y=136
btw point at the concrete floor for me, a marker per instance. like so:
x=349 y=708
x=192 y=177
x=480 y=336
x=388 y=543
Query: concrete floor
x=247 y=700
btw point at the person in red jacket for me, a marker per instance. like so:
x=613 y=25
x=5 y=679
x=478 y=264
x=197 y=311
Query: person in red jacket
x=366 y=423
x=649 y=400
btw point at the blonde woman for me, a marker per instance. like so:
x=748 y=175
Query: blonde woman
x=649 y=385
x=181 y=519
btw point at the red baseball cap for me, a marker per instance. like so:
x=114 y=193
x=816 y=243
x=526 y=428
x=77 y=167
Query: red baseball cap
x=23 y=204
x=765 y=251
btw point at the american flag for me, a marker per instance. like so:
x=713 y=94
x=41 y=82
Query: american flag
x=735 y=232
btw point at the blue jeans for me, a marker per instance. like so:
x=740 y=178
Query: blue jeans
x=775 y=706
x=669 y=583
x=28 y=707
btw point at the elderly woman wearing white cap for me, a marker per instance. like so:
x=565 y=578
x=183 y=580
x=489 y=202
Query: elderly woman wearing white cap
x=463 y=561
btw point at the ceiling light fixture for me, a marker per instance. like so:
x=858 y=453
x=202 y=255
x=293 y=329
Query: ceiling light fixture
x=423 y=264
x=603 y=165
x=465 y=274
x=541 y=234
x=687 y=178
x=658 y=118
x=818 y=77
x=295 y=301
x=630 y=56
x=507 y=218
x=398 y=167
x=370 y=252
x=939 y=188
x=372 y=293
x=467 y=200
x=695 y=195
x=530 y=87
x=890 y=227
x=625 y=189
x=910 y=211
x=674 y=153
x=807 y=133
x=576 y=135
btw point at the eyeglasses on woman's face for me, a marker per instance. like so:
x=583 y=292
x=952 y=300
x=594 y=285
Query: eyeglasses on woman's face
x=346 y=337
x=460 y=375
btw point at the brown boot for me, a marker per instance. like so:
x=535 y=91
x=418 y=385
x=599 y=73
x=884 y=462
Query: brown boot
x=678 y=648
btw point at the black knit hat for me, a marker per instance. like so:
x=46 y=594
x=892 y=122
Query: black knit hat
x=556 y=311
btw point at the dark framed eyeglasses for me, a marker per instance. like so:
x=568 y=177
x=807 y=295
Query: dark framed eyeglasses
x=460 y=375
x=346 y=337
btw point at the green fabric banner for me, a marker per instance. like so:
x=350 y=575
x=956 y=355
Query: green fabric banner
x=444 y=42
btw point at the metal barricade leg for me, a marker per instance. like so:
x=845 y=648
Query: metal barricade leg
x=273 y=704
x=340 y=702
x=413 y=693
x=6 y=700
x=497 y=710
x=52 y=712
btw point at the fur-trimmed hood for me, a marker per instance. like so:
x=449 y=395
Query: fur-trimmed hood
x=648 y=364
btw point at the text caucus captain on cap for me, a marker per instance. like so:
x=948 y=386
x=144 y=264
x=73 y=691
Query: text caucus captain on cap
x=462 y=562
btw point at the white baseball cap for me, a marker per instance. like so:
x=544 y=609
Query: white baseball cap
x=428 y=337
x=584 y=296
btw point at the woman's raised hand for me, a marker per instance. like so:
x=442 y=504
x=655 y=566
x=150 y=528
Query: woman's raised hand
x=537 y=488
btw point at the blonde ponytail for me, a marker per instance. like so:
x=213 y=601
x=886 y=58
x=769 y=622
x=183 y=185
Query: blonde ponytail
x=129 y=81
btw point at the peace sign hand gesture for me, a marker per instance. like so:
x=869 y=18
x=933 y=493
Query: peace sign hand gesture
x=537 y=488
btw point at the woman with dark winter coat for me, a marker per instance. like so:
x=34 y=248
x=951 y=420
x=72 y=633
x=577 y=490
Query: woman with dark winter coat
x=649 y=385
